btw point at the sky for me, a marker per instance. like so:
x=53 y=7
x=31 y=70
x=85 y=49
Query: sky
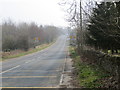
x=42 y=12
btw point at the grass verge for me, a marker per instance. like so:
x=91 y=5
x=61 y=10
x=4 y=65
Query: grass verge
x=41 y=47
x=88 y=76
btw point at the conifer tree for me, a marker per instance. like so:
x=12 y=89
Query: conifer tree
x=103 y=28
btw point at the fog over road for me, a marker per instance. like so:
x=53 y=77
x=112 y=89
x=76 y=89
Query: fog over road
x=40 y=69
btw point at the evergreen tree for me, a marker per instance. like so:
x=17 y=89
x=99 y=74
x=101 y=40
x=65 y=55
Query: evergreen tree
x=103 y=29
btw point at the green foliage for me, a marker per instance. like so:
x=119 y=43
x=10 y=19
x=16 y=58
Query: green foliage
x=104 y=31
x=88 y=75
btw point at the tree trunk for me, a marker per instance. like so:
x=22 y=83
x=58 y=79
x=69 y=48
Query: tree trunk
x=112 y=51
x=116 y=51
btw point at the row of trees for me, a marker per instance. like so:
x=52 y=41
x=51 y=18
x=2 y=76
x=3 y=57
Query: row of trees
x=97 y=28
x=25 y=36
x=104 y=26
x=97 y=24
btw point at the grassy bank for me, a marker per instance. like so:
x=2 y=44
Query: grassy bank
x=87 y=75
x=30 y=51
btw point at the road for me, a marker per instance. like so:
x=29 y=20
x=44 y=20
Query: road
x=40 y=69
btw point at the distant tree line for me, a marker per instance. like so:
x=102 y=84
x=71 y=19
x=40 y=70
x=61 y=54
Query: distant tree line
x=24 y=36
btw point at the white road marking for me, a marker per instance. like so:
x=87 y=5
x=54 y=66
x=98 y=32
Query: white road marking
x=10 y=69
x=26 y=62
x=29 y=61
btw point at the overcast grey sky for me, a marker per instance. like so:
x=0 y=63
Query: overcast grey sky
x=42 y=12
x=39 y=11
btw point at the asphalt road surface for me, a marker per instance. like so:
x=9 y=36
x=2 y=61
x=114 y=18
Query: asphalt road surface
x=40 y=69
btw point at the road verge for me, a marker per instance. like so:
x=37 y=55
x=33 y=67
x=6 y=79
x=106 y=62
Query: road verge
x=88 y=75
x=23 y=53
x=65 y=81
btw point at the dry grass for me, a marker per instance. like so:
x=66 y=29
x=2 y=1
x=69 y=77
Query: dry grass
x=19 y=53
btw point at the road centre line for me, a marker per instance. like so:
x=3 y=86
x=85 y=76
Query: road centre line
x=13 y=67
x=30 y=77
x=10 y=69
x=28 y=61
